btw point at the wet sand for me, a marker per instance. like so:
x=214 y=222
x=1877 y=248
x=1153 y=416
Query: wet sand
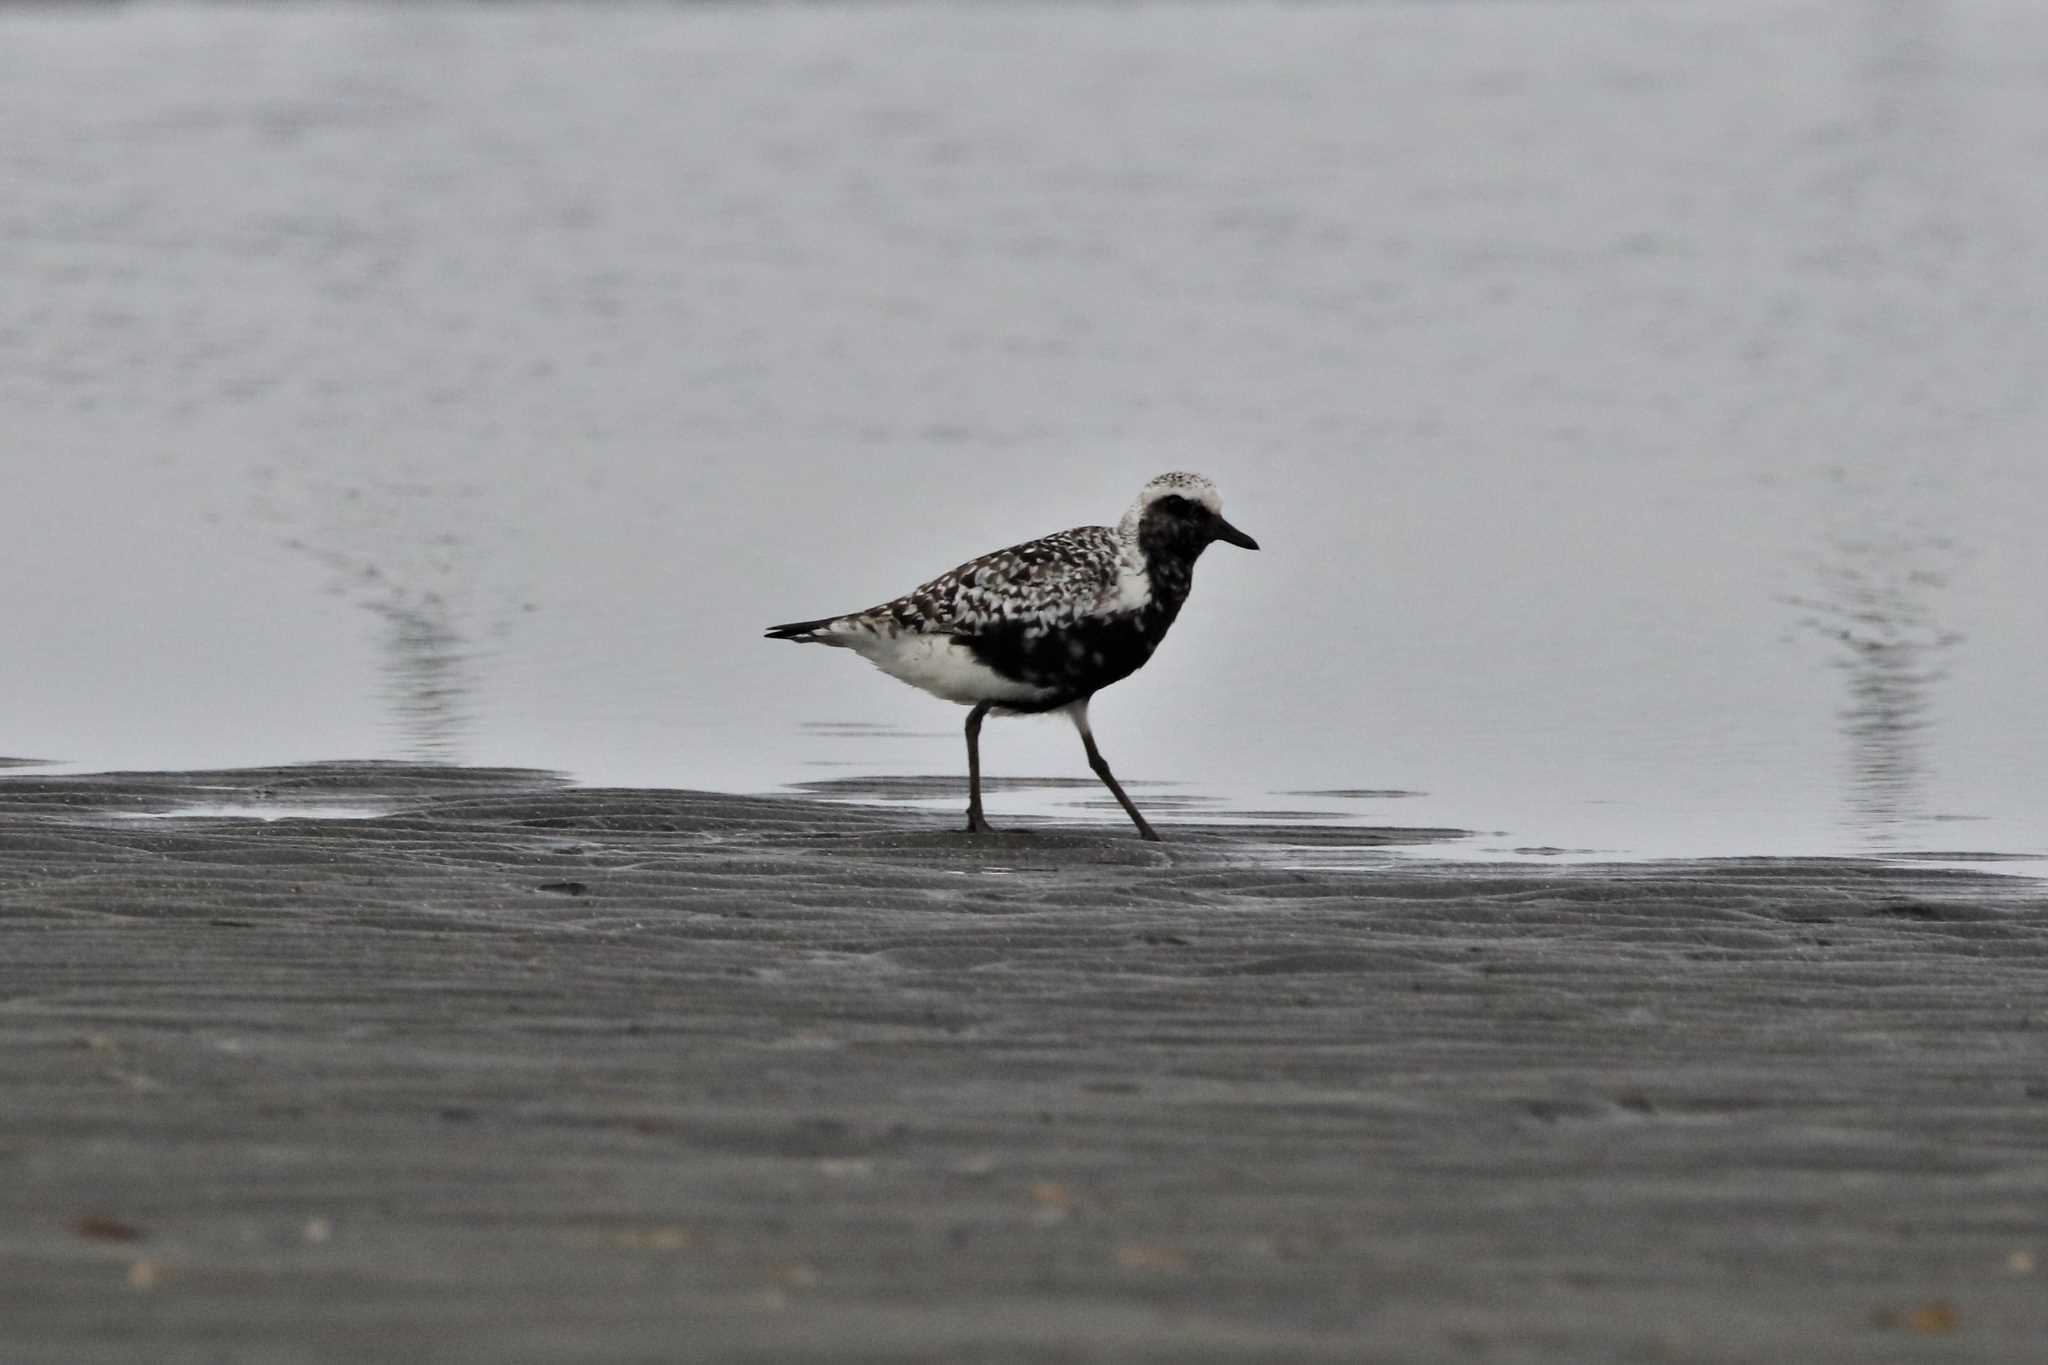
x=520 y=1072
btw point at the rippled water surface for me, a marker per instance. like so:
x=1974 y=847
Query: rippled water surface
x=1639 y=405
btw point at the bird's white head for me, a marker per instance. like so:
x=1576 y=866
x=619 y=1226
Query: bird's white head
x=1182 y=508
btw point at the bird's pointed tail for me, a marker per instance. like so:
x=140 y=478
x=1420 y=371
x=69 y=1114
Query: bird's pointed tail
x=803 y=632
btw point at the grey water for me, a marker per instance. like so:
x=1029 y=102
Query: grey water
x=1639 y=405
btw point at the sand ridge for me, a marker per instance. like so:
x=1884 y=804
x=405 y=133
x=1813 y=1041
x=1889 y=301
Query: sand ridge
x=522 y=1071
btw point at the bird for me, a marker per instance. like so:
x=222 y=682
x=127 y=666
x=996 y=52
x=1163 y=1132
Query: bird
x=1045 y=625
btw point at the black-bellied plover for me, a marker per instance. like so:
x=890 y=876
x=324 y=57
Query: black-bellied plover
x=1045 y=625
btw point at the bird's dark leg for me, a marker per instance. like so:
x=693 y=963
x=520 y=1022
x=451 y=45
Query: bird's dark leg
x=975 y=824
x=1101 y=767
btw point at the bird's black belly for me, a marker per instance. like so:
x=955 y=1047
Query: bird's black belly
x=1075 y=660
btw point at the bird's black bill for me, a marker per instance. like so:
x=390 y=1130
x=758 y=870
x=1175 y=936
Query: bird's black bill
x=1225 y=531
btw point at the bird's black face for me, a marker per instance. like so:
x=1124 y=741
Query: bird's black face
x=1185 y=527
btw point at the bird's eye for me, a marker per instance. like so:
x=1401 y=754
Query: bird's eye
x=1174 y=502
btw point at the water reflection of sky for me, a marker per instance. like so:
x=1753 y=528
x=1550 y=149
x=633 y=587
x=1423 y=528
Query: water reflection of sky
x=1641 y=419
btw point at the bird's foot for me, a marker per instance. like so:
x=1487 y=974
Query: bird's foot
x=1146 y=831
x=977 y=825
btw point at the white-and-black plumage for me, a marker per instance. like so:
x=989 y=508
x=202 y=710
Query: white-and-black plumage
x=1043 y=625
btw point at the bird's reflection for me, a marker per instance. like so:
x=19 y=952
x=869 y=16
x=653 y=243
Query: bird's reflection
x=1896 y=233
x=425 y=658
x=1877 y=605
x=389 y=552
x=426 y=682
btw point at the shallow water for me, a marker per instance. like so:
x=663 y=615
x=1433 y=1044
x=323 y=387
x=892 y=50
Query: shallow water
x=1638 y=405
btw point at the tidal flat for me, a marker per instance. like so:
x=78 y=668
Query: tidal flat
x=479 y=1066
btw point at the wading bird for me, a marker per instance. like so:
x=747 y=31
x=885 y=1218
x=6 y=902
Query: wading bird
x=1045 y=625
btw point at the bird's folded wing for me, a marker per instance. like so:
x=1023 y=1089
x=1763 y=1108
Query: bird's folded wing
x=1046 y=582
